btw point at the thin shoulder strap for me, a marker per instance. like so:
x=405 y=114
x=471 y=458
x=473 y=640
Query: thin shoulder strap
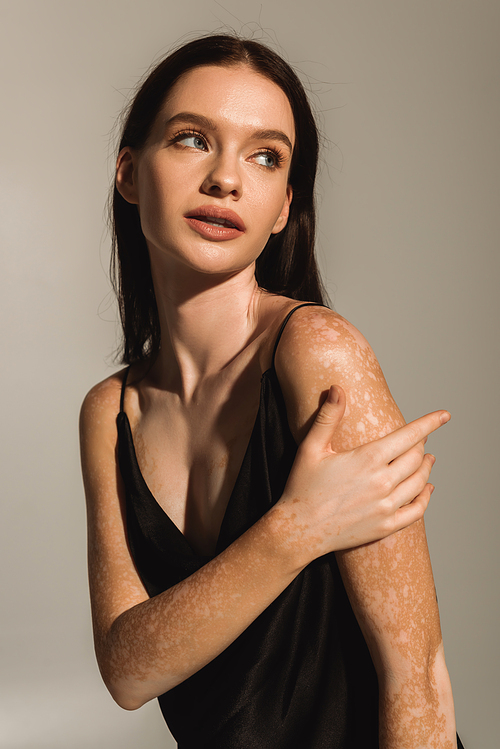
x=283 y=324
x=124 y=384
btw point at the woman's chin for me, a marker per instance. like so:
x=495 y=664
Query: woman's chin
x=213 y=261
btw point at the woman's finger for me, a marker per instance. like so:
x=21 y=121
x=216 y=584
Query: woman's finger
x=327 y=419
x=410 y=513
x=406 y=465
x=411 y=487
x=398 y=442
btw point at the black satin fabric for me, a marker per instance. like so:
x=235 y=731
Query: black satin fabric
x=301 y=674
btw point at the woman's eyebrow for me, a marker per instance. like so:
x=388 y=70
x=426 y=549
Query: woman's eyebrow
x=208 y=124
x=195 y=119
x=273 y=135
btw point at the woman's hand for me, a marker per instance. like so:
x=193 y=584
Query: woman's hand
x=342 y=500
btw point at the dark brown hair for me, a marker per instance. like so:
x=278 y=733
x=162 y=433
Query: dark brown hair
x=287 y=265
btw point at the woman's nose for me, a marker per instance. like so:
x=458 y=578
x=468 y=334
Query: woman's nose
x=224 y=177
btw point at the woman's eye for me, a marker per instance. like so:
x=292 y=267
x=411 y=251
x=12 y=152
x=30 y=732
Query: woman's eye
x=266 y=159
x=192 y=141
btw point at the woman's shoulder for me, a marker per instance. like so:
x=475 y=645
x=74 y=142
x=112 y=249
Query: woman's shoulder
x=321 y=336
x=320 y=348
x=101 y=405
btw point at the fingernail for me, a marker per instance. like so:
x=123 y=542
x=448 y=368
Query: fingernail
x=432 y=489
x=433 y=458
x=445 y=417
x=334 y=394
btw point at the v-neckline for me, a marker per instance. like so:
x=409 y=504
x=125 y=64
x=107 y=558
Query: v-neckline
x=162 y=510
x=148 y=492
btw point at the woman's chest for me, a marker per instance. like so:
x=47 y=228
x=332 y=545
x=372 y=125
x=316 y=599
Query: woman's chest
x=190 y=460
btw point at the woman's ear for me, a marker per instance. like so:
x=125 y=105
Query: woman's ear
x=283 y=217
x=126 y=183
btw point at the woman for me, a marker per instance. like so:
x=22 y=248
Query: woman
x=213 y=582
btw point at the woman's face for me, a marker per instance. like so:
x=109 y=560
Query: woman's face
x=211 y=183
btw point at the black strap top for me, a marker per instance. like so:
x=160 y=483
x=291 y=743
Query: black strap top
x=300 y=675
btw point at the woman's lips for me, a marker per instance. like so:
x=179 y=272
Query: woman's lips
x=213 y=222
x=213 y=231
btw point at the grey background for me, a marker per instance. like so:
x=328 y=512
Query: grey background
x=408 y=98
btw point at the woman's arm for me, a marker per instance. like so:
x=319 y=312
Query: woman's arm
x=146 y=646
x=389 y=582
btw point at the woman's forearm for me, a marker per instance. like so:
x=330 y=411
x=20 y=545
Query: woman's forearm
x=392 y=591
x=416 y=709
x=155 y=645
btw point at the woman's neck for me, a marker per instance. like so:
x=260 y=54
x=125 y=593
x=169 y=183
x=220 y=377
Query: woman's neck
x=205 y=323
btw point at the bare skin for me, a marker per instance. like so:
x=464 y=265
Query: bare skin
x=199 y=401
